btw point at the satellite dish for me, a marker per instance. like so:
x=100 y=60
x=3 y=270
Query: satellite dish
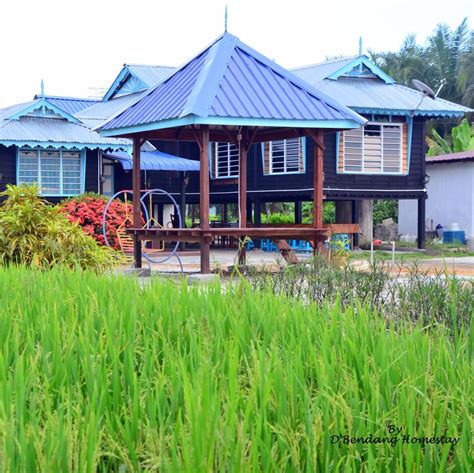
x=423 y=88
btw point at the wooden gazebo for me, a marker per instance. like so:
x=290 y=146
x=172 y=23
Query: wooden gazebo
x=230 y=93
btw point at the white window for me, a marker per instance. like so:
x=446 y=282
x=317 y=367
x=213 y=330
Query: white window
x=56 y=172
x=375 y=148
x=285 y=156
x=225 y=160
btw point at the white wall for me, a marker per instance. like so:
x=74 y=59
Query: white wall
x=450 y=199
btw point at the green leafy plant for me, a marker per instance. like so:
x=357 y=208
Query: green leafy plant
x=462 y=138
x=34 y=233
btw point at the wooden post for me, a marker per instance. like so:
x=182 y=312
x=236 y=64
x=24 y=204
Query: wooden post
x=204 y=198
x=318 y=185
x=243 y=197
x=298 y=212
x=136 y=184
x=318 y=182
x=421 y=222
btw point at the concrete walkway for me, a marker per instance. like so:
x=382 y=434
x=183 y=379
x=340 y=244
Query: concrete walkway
x=225 y=259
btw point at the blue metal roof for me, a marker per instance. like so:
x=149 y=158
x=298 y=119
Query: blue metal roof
x=135 y=77
x=150 y=75
x=230 y=83
x=70 y=105
x=39 y=123
x=155 y=161
x=373 y=95
x=100 y=112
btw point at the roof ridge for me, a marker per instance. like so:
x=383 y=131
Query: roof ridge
x=149 y=65
x=67 y=97
x=323 y=63
x=210 y=76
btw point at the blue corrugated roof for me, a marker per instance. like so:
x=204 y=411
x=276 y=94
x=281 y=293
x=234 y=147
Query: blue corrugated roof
x=150 y=75
x=100 y=112
x=70 y=105
x=155 y=161
x=134 y=78
x=372 y=95
x=231 y=80
x=50 y=130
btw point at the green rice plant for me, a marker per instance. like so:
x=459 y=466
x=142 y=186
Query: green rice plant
x=416 y=296
x=104 y=374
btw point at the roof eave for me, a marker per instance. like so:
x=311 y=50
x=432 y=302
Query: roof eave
x=233 y=121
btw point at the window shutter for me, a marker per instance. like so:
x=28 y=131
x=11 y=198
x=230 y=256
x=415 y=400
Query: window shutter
x=405 y=169
x=266 y=157
x=340 y=162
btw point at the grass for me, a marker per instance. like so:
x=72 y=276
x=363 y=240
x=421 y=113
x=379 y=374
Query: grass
x=100 y=374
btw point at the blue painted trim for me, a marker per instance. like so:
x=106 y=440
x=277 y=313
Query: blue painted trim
x=410 y=134
x=83 y=171
x=63 y=145
x=192 y=119
x=122 y=74
x=419 y=113
x=359 y=61
x=303 y=146
x=40 y=103
x=210 y=153
x=338 y=143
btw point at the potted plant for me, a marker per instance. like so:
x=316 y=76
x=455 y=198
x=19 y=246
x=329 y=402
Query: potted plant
x=339 y=254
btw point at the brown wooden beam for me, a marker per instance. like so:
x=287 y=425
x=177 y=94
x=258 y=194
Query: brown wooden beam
x=243 y=196
x=136 y=184
x=318 y=137
x=318 y=182
x=204 y=196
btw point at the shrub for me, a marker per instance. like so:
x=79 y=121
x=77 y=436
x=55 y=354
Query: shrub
x=87 y=210
x=35 y=233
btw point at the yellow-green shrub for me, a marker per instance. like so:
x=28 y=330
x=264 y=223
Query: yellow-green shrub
x=34 y=233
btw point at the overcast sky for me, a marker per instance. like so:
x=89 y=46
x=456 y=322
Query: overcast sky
x=77 y=46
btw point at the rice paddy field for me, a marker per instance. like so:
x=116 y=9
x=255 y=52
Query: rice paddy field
x=100 y=373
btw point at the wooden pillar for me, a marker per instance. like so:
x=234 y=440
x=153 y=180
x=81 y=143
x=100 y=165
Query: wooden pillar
x=136 y=184
x=298 y=212
x=355 y=219
x=318 y=185
x=225 y=214
x=182 y=202
x=421 y=222
x=204 y=197
x=243 y=186
x=242 y=197
x=318 y=181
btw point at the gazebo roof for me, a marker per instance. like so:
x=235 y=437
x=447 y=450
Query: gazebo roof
x=229 y=83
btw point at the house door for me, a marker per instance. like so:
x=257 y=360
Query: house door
x=108 y=177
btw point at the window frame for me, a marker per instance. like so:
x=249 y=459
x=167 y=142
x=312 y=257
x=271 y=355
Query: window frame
x=213 y=155
x=383 y=124
x=38 y=150
x=302 y=148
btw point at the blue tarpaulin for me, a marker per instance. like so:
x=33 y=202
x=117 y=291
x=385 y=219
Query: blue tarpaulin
x=155 y=161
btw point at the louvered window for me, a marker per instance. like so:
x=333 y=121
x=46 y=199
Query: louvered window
x=56 y=172
x=375 y=148
x=284 y=156
x=225 y=160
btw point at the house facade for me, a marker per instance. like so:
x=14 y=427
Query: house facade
x=450 y=196
x=52 y=141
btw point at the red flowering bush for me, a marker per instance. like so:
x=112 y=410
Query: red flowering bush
x=87 y=210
